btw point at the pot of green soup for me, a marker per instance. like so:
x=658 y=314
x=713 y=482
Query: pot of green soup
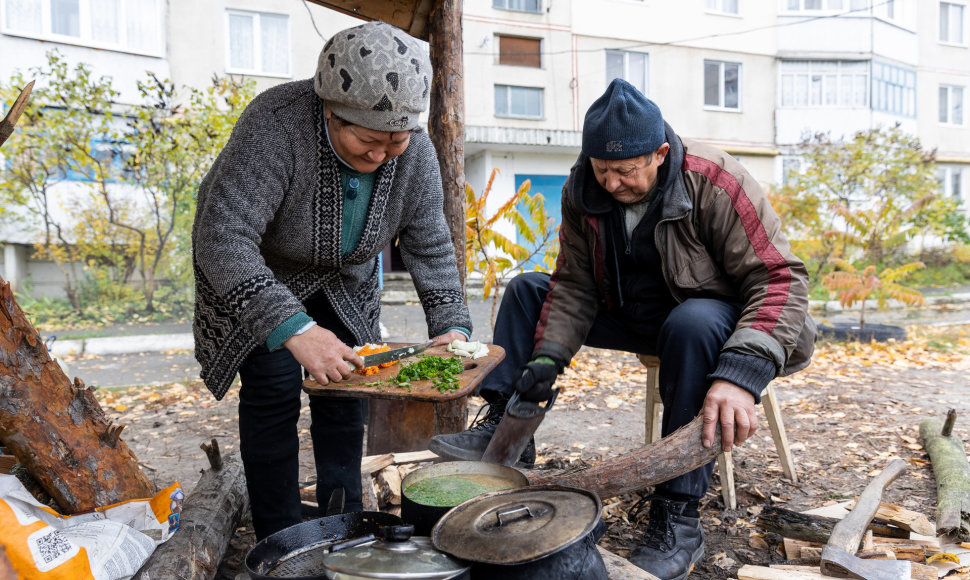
x=428 y=493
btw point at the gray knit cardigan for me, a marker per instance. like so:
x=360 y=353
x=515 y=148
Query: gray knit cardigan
x=267 y=234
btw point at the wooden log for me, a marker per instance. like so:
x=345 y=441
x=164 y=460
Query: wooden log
x=57 y=429
x=675 y=454
x=618 y=568
x=208 y=521
x=446 y=122
x=750 y=572
x=388 y=481
x=929 y=547
x=900 y=517
x=809 y=528
x=952 y=472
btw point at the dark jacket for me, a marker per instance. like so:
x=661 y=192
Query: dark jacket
x=718 y=237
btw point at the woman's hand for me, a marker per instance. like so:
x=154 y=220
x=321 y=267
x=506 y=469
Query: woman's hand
x=323 y=355
x=449 y=336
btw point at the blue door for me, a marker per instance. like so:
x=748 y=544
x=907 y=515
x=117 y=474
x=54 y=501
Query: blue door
x=550 y=186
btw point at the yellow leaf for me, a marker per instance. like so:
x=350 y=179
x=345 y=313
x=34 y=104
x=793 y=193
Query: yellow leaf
x=943 y=557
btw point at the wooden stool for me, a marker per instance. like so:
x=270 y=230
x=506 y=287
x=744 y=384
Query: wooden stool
x=725 y=464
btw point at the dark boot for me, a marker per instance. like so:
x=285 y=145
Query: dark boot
x=470 y=444
x=674 y=541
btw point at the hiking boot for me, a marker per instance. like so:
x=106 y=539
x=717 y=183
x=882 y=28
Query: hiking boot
x=470 y=444
x=673 y=542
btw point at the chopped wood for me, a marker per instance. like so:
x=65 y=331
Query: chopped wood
x=7 y=462
x=930 y=547
x=791 y=524
x=676 y=454
x=415 y=457
x=369 y=494
x=883 y=554
x=208 y=521
x=749 y=572
x=56 y=428
x=794 y=548
x=901 y=517
x=618 y=568
x=952 y=472
x=375 y=463
x=389 y=483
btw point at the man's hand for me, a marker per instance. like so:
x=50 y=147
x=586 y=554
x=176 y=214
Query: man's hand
x=732 y=407
x=535 y=382
x=323 y=355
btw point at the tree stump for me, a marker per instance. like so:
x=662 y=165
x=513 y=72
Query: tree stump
x=57 y=429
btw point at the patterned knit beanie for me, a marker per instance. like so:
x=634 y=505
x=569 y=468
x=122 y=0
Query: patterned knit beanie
x=622 y=124
x=376 y=76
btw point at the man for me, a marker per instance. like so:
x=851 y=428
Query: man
x=668 y=247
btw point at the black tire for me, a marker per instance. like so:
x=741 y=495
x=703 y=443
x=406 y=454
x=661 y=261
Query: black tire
x=850 y=331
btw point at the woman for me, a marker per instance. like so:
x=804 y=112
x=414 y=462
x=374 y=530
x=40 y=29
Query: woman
x=318 y=177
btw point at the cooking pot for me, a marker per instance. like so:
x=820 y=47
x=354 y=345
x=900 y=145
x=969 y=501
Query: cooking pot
x=544 y=531
x=419 y=511
x=397 y=554
x=297 y=552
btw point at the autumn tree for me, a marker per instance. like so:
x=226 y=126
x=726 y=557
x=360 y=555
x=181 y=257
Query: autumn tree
x=493 y=255
x=870 y=193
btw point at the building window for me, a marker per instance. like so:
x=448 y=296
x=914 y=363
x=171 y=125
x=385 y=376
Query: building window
x=722 y=85
x=893 y=90
x=629 y=66
x=951 y=181
x=951 y=22
x=123 y=25
x=724 y=6
x=951 y=105
x=791 y=167
x=813 y=5
x=518 y=5
x=823 y=83
x=518 y=102
x=259 y=44
x=516 y=51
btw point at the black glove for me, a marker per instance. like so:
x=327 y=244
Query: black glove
x=535 y=382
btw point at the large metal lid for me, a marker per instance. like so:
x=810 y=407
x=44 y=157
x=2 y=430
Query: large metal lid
x=397 y=556
x=518 y=525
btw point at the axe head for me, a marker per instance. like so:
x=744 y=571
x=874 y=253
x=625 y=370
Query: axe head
x=838 y=563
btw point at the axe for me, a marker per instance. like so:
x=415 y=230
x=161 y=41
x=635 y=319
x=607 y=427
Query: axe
x=838 y=555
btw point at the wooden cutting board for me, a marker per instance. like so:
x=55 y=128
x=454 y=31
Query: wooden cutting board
x=362 y=386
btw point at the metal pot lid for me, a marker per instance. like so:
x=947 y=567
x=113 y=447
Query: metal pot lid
x=397 y=557
x=518 y=525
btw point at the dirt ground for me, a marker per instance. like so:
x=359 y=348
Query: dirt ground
x=846 y=416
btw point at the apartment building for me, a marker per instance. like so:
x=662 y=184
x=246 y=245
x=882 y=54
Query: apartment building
x=752 y=77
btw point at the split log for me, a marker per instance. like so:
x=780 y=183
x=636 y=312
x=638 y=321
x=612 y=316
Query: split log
x=618 y=568
x=209 y=518
x=57 y=429
x=894 y=515
x=790 y=524
x=662 y=460
x=6 y=568
x=952 y=474
x=775 y=572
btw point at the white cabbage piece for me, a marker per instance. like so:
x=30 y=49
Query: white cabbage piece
x=470 y=349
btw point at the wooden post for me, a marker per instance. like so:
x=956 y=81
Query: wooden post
x=57 y=430
x=447 y=124
x=447 y=117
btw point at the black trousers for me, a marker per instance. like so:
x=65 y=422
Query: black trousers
x=688 y=343
x=269 y=408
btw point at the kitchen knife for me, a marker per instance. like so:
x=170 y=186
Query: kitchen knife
x=395 y=354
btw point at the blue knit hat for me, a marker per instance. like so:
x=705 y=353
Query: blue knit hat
x=622 y=124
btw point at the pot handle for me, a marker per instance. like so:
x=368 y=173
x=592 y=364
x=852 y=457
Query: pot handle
x=520 y=511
